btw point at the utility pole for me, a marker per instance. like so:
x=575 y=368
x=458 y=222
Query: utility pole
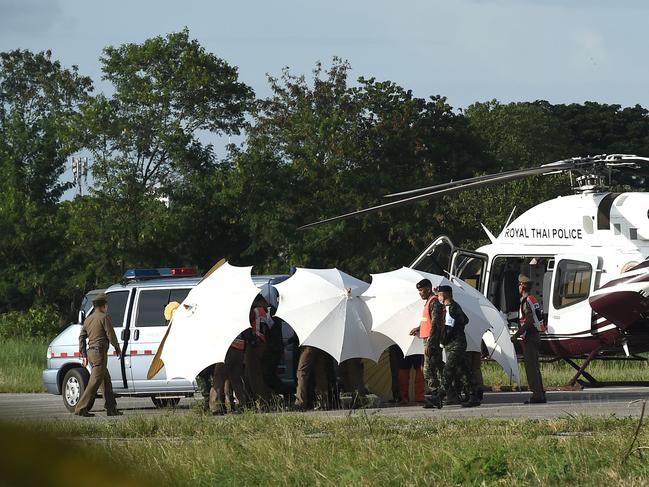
x=80 y=173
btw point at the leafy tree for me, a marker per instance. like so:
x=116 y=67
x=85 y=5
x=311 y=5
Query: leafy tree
x=595 y=128
x=319 y=149
x=146 y=138
x=39 y=118
x=514 y=136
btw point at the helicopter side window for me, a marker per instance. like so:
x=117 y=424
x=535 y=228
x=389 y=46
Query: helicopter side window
x=470 y=270
x=572 y=283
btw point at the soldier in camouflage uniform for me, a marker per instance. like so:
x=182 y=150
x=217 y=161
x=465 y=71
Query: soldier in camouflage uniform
x=456 y=370
x=430 y=329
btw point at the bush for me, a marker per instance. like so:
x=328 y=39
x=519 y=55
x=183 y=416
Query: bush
x=38 y=321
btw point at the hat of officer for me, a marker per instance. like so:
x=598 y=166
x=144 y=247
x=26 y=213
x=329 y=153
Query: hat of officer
x=522 y=278
x=100 y=299
x=425 y=283
x=445 y=289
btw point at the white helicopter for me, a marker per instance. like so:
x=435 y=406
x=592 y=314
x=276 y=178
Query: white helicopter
x=583 y=253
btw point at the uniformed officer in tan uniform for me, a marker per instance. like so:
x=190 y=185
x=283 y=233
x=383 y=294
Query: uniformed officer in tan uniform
x=98 y=330
x=531 y=342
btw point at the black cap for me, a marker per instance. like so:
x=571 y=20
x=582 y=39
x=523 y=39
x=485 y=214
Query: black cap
x=445 y=289
x=425 y=283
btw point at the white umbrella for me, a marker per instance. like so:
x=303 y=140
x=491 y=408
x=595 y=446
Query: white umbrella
x=497 y=338
x=208 y=320
x=396 y=308
x=501 y=349
x=323 y=308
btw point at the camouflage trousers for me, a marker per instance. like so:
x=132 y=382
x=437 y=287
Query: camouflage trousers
x=457 y=377
x=433 y=366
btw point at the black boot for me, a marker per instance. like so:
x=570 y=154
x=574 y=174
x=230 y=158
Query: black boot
x=473 y=401
x=435 y=401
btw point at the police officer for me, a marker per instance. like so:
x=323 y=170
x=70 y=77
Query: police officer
x=229 y=370
x=528 y=323
x=313 y=364
x=430 y=330
x=98 y=330
x=456 y=370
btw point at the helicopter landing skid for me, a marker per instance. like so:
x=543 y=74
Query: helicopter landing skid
x=591 y=381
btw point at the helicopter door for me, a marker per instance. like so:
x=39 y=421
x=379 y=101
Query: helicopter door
x=573 y=279
x=436 y=259
x=470 y=267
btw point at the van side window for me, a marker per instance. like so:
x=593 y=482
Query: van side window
x=178 y=295
x=151 y=305
x=572 y=283
x=150 y=308
x=117 y=307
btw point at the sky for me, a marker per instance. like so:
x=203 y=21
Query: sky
x=563 y=51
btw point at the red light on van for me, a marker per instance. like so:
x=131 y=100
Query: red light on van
x=183 y=271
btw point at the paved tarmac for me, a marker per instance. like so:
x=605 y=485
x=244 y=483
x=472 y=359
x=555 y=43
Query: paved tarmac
x=600 y=402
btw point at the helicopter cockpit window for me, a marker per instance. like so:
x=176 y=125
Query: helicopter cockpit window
x=572 y=283
x=470 y=270
x=437 y=261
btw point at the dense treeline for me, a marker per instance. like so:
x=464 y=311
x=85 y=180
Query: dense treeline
x=320 y=145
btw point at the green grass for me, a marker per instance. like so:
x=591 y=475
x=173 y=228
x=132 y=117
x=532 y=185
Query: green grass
x=21 y=364
x=279 y=449
x=559 y=373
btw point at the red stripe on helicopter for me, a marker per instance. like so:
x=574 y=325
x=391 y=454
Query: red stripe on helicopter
x=594 y=330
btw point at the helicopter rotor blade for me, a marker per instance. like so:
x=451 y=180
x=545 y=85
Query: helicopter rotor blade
x=583 y=165
x=495 y=178
x=450 y=184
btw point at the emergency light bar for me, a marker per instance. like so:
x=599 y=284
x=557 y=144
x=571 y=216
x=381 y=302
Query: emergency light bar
x=184 y=271
x=141 y=274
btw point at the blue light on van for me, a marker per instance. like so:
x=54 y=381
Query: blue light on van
x=139 y=273
x=160 y=272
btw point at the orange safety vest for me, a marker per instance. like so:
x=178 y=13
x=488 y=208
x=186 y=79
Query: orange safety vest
x=426 y=324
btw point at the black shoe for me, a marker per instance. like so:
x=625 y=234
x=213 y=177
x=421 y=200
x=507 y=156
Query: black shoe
x=114 y=412
x=298 y=408
x=85 y=414
x=433 y=402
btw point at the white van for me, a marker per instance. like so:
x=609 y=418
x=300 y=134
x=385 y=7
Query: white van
x=136 y=308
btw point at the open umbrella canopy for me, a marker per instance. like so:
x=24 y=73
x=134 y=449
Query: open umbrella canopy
x=496 y=337
x=323 y=308
x=396 y=307
x=208 y=320
x=501 y=349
